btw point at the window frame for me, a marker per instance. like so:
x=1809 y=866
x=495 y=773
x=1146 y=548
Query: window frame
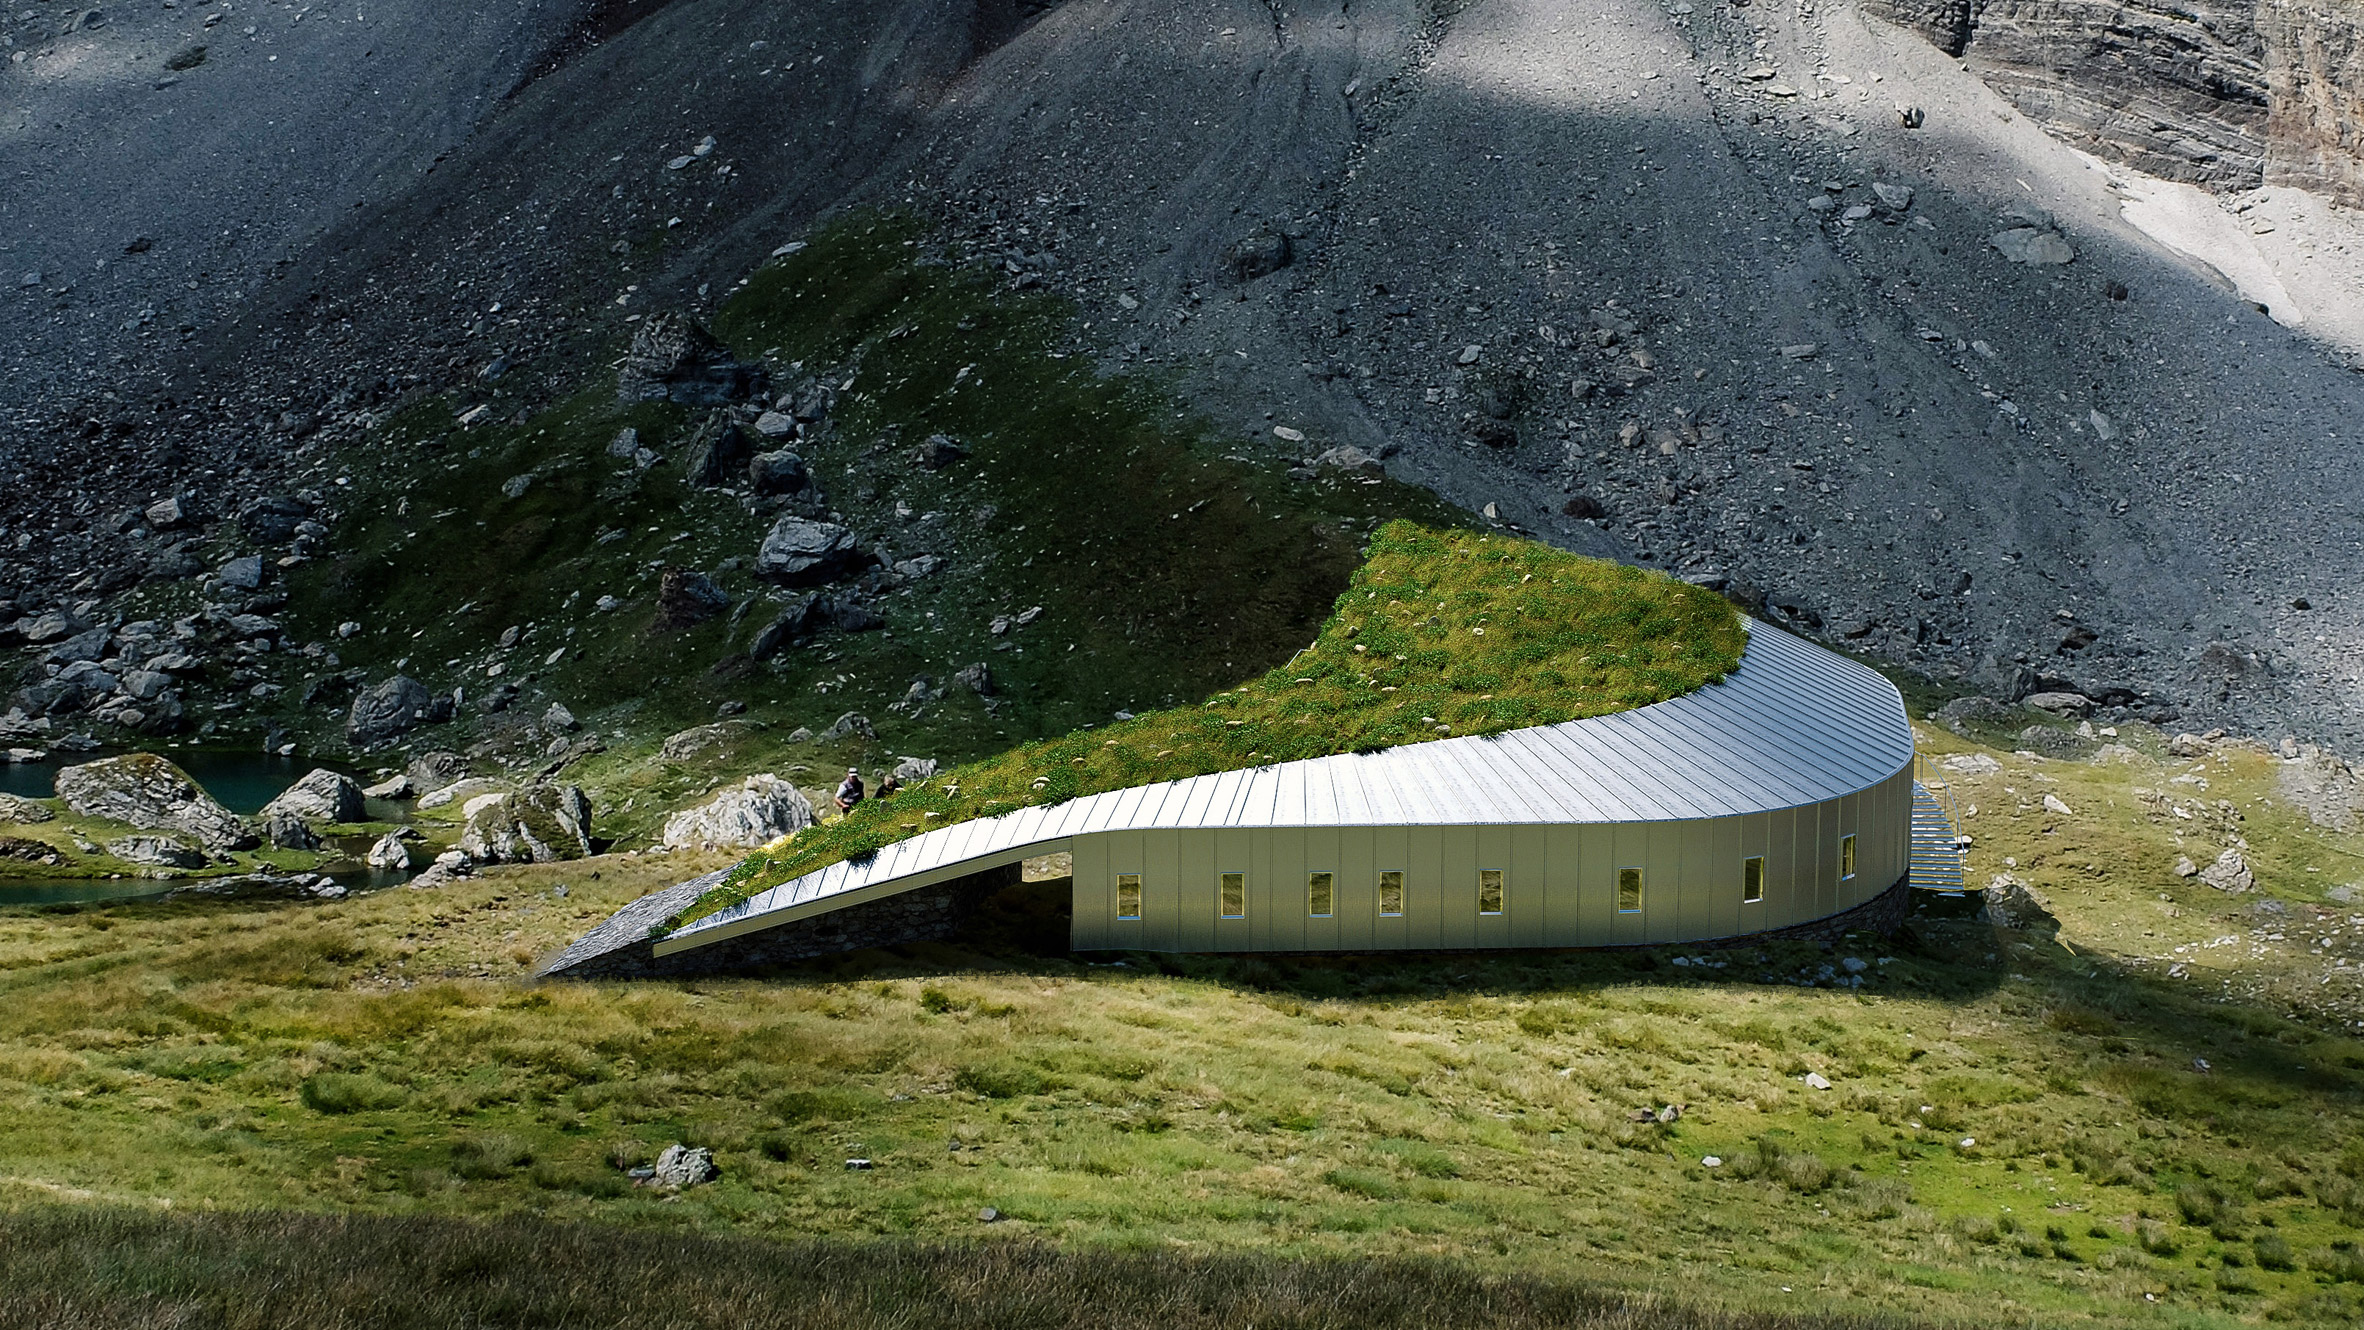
x=1398 y=888
x=1640 y=887
x=1327 y=883
x=1224 y=883
x=1131 y=881
x=1847 y=857
x=1501 y=889
x=1754 y=862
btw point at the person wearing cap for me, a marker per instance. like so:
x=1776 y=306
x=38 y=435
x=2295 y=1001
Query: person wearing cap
x=849 y=791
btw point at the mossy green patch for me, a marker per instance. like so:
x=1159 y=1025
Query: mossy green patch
x=1440 y=633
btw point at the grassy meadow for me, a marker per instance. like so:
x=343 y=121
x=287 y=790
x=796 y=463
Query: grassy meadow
x=2112 y=1123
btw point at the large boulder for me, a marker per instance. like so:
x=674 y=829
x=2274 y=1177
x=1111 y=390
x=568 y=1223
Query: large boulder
x=538 y=824
x=22 y=812
x=674 y=360
x=390 y=855
x=156 y=852
x=801 y=552
x=717 y=455
x=321 y=796
x=686 y=598
x=145 y=791
x=761 y=810
x=388 y=710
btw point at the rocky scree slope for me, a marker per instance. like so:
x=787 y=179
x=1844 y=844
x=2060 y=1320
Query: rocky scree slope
x=1621 y=276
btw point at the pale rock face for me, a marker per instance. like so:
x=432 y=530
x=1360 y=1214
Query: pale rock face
x=390 y=855
x=540 y=824
x=152 y=794
x=762 y=809
x=321 y=796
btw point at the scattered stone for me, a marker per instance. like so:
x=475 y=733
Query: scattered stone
x=156 y=852
x=436 y=769
x=2051 y=741
x=686 y=598
x=460 y=792
x=2060 y=704
x=977 y=678
x=2054 y=805
x=1800 y=351
x=2187 y=745
x=389 y=710
x=1896 y=197
x=244 y=573
x=321 y=796
x=1972 y=764
x=558 y=720
x=1257 y=255
x=148 y=792
x=1347 y=457
x=718 y=454
x=775 y=425
x=1815 y=1080
x=22 y=812
x=625 y=446
x=273 y=520
x=801 y=552
x=762 y=809
x=848 y=726
x=674 y=360
x=989 y=1215
x=2035 y=247
x=2229 y=873
x=449 y=866
x=938 y=451
x=778 y=472
x=684 y=1166
x=2011 y=903
x=167 y=514
x=2184 y=867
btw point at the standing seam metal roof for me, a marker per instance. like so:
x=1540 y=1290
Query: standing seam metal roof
x=1793 y=724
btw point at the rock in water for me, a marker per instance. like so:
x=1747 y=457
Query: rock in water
x=540 y=824
x=390 y=855
x=684 y=1166
x=686 y=599
x=392 y=708
x=674 y=360
x=802 y=552
x=147 y=792
x=761 y=810
x=156 y=852
x=321 y=796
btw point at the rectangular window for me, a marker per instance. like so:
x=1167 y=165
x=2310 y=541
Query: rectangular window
x=1391 y=894
x=1629 y=891
x=1489 y=891
x=1317 y=894
x=1752 y=878
x=1234 y=896
x=1128 y=895
x=1846 y=856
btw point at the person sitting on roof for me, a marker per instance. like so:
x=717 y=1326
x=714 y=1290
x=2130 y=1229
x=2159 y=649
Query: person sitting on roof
x=849 y=791
x=888 y=786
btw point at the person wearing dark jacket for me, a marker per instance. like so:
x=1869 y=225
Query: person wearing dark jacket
x=849 y=791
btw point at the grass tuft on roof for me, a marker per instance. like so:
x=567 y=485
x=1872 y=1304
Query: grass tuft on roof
x=1441 y=633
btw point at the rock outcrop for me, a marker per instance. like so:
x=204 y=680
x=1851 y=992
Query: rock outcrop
x=145 y=791
x=674 y=360
x=392 y=709
x=2229 y=94
x=539 y=824
x=762 y=809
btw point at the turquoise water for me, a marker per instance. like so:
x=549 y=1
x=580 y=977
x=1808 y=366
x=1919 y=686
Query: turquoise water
x=240 y=781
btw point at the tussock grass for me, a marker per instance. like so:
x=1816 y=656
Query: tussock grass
x=1439 y=633
x=113 y=1270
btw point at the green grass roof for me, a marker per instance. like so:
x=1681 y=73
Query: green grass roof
x=1440 y=633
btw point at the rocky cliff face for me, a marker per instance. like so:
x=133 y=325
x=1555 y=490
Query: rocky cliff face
x=2230 y=94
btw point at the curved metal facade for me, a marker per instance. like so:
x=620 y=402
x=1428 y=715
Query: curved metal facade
x=1799 y=758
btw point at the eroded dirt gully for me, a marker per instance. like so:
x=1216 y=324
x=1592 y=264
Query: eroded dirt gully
x=1605 y=252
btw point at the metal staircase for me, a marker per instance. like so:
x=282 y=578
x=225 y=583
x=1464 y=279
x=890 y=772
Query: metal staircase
x=1937 y=848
